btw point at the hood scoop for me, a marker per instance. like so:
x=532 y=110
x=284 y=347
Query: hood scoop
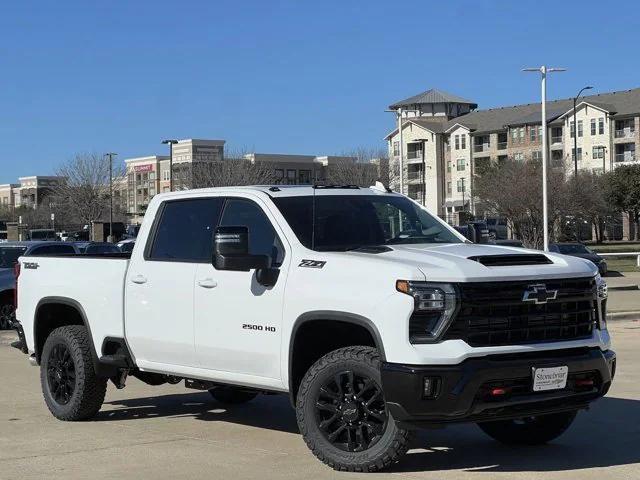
x=512 y=260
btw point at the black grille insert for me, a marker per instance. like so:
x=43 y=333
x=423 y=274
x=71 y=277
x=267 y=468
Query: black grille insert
x=494 y=313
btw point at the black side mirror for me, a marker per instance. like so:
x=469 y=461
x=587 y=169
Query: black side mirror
x=231 y=251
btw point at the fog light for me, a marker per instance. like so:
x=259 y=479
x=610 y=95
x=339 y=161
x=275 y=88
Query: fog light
x=429 y=387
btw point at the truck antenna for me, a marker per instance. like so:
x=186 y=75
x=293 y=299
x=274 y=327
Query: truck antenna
x=313 y=220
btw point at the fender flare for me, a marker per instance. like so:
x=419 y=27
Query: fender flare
x=78 y=307
x=333 y=315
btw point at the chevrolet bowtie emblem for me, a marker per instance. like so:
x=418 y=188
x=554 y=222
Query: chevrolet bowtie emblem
x=539 y=294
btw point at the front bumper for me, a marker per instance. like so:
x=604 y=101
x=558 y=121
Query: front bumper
x=461 y=392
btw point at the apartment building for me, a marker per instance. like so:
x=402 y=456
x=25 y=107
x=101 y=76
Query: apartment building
x=446 y=139
x=30 y=192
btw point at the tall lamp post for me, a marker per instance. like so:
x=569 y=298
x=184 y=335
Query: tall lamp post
x=110 y=155
x=543 y=70
x=575 y=130
x=171 y=143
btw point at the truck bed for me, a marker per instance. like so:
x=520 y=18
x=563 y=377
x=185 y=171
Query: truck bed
x=94 y=283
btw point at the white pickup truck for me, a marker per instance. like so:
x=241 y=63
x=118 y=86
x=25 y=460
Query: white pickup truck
x=374 y=316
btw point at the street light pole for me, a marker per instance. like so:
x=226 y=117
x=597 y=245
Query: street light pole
x=575 y=129
x=170 y=142
x=543 y=70
x=110 y=155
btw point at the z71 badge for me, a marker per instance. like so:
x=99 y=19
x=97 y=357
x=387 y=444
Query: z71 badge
x=312 y=263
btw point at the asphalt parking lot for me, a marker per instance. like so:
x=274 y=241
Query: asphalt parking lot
x=168 y=432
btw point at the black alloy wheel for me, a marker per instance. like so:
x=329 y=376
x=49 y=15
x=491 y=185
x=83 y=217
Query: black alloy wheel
x=61 y=374
x=351 y=412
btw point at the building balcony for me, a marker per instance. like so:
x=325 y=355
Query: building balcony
x=502 y=145
x=625 y=133
x=556 y=139
x=483 y=147
x=625 y=157
x=414 y=155
x=415 y=177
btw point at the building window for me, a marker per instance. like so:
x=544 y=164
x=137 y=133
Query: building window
x=463 y=142
x=518 y=156
x=460 y=164
x=593 y=126
x=572 y=129
x=396 y=149
x=460 y=185
x=457 y=142
x=449 y=166
x=165 y=175
x=278 y=175
x=304 y=177
x=514 y=135
x=598 y=152
x=580 y=128
x=449 y=188
x=573 y=151
x=537 y=155
x=291 y=177
x=535 y=133
x=601 y=126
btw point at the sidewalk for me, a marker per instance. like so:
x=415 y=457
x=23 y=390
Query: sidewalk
x=624 y=295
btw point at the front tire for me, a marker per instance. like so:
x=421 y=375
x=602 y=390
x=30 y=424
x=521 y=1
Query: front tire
x=70 y=386
x=529 y=430
x=342 y=414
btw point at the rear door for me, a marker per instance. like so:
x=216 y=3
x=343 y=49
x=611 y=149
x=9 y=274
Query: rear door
x=160 y=282
x=237 y=320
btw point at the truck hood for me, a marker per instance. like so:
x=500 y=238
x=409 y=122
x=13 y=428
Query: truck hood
x=463 y=262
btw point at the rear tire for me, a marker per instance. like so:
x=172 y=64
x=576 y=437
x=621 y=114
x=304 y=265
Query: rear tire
x=70 y=386
x=342 y=413
x=232 y=395
x=529 y=430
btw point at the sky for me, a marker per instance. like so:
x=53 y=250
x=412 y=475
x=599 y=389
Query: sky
x=308 y=77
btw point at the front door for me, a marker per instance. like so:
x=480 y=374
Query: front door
x=160 y=282
x=237 y=320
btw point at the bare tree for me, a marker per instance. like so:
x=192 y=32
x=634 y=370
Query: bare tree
x=513 y=189
x=236 y=169
x=362 y=167
x=84 y=192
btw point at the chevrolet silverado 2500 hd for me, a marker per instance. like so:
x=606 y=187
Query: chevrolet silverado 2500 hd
x=374 y=316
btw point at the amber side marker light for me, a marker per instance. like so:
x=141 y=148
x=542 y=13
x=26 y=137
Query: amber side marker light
x=403 y=286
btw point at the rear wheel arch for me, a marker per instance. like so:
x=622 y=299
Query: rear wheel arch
x=329 y=330
x=54 y=312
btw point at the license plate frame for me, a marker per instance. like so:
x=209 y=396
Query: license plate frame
x=549 y=378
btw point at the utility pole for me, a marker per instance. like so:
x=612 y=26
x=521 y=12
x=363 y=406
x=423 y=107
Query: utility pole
x=171 y=143
x=575 y=130
x=110 y=155
x=543 y=70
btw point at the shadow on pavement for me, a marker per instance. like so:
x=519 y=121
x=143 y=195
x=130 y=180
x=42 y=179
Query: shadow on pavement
x=606 y=435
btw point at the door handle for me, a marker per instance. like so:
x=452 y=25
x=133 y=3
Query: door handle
x=207 y=283
x=139 y=279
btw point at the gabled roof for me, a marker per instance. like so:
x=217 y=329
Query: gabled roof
x=422 y=122
x=605 y=107
x=432 y=96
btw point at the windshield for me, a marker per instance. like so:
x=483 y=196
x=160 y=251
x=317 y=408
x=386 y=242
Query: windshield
x=9 y=256
x=572 y=249
x=347 y=222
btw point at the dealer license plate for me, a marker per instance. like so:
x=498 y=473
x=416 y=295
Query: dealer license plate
x=554 y=378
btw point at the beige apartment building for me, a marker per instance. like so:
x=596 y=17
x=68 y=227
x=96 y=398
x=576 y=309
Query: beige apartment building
x=446 y=139
x=30 y=192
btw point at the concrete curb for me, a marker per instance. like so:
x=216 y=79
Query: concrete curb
x=623 y=315
x=623 y=287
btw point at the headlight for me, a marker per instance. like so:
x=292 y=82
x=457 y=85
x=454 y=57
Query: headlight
x=435 y=306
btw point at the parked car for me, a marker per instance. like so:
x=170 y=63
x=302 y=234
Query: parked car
x=42 y=234
x=9 y=254
x=509 y=243
x=497 y=228
x=580 y=250
x=96 y=248
x=374 y=316
x=126 y=246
